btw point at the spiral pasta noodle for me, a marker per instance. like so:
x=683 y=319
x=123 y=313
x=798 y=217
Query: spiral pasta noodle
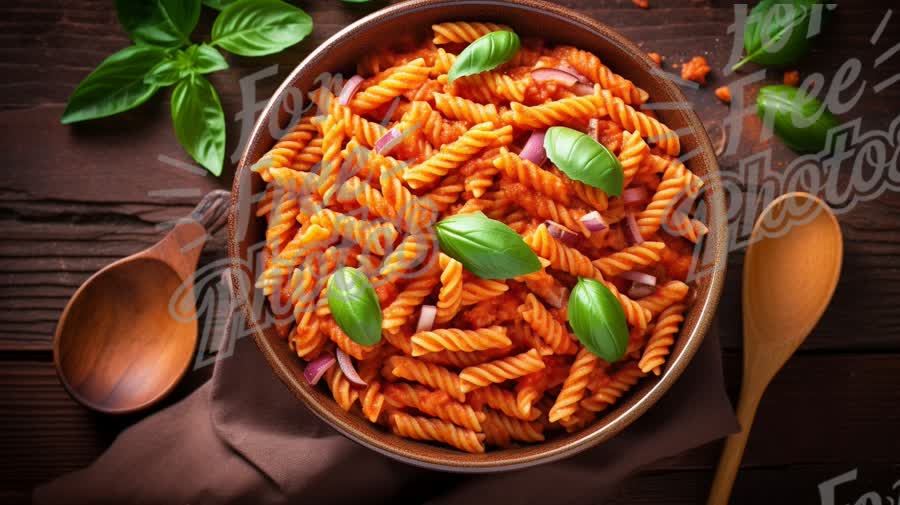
x=423 y=428
x=463 y=31
x=454 y=339
x=662 y=339
x=477 y=376
x=636 y=256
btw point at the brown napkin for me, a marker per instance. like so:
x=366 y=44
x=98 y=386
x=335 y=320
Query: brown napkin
x=244 y=438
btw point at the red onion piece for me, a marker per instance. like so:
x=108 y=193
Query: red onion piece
x=638 y=290
x=633 y=196
x=554 y=74
x=593 y=221
x=533 y=150
x=569 y=69
x=582 y=89
x=349 y=89
x=561 y=233
x=316 y=368
x=388 y=141
x=346 y=365
x=639 y=277
x=632 y=230
x=426 y=318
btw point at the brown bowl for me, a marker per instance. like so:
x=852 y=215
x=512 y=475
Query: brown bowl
x=556 y=25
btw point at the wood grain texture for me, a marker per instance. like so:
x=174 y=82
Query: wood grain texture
x=74 y=199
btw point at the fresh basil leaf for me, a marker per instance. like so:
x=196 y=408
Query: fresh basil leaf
x=485 y=53
x=200 y=59
x=206 y=59
x=199 y=121
x=487 y=248
x=260 y=27
x=218 y=4
x=584 y=159
x=167 y=72
x=166 y=23
x=777 y=32
x=800 y=121
x=354 y=305
x=597 y=319
x=116 y=85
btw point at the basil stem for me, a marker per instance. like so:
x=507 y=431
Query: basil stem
x=486 y=53
x=584 y=159
x=354 y=306
x=597 y=319
x=487 y=248
x=799 y=120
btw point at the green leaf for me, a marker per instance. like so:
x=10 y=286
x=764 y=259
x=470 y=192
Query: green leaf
x=200 y=59
x=354 y=306
x=597 y=319
x=218 y=4
x=584 y=159
x=487 y=248
x=801 y=121
x=165 y=23
x=486 y=53
x=777 y=32
x=260 y=27
x=199 y=121
x=116 y=85
x=206 y=59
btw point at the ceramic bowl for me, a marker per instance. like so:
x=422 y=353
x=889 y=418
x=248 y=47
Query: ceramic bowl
x=556 y=25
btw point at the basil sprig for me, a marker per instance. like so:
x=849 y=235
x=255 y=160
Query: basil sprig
x=584 y=159
x=163 y=56
x=487 y=248
x=487 y=52
x=597 y=319
x=801 y=121
x=777 y=32
x=354 y=306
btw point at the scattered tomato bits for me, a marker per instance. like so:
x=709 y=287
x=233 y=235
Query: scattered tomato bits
x=656 y=58
x=792 y=78
x=695 y=70
x=643 y=4
x=724 y=94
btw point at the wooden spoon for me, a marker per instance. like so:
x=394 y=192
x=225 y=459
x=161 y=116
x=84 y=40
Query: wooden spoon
x=118 y=346
x=790 y=272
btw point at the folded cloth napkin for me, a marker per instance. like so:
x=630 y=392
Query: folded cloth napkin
x=244 y=438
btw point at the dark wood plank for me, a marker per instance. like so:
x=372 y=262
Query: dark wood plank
x=835 y=410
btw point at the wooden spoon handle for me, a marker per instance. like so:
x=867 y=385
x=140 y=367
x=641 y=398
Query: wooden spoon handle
x=730 y=461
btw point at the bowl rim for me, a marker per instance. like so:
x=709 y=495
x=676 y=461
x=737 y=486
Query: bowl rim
x=589 y=437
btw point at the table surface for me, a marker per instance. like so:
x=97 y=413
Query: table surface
x=73 y=199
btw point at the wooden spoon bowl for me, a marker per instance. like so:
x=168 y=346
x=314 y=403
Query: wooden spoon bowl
x=121 y=344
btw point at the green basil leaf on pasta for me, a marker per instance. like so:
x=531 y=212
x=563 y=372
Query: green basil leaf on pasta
x=487 y=248
x=205 y=59
x=260 y=27
x=777 y=32
x=199 y=121
x=165 y=23
x=354 y=306
x=116 y=85
x=598 y=320
x=584 y=159
x=218 y=4
x=799 y=120
x=486 y=53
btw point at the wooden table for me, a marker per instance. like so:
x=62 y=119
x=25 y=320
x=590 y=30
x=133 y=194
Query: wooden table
x=73 y=199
